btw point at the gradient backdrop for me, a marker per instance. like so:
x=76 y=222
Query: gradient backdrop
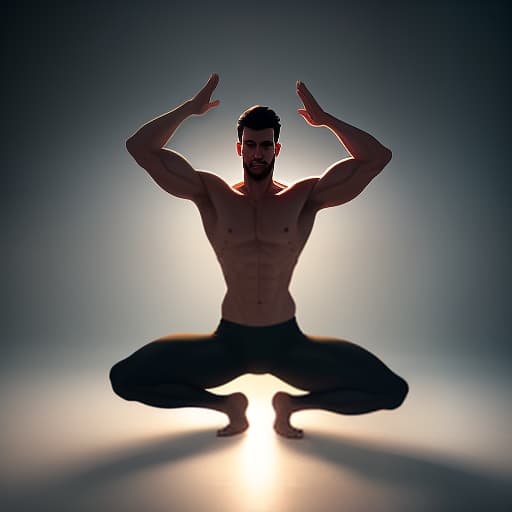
x=99 y=260
x=98 y=255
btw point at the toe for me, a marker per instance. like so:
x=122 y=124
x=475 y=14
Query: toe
x=289 y=431
x=296 y=433
x=226 y=431
x=232 y=430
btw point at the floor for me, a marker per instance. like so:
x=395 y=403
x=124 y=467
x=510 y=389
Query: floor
x=68 y=443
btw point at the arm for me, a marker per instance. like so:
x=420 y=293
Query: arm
x=346 y=179
x=168 y=168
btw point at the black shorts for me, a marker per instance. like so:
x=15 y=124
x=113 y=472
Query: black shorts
x=259 y=349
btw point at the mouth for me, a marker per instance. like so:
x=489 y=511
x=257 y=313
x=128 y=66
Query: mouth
x=256 y=165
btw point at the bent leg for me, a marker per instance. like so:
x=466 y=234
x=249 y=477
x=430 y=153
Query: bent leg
x=174 y=371
x=340 y=376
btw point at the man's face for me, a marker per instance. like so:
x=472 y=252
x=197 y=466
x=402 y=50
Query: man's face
x=258 y=152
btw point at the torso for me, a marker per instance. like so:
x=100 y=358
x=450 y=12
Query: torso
x=257 y=243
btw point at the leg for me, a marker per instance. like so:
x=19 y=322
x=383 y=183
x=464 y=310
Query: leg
x=341 y=377
x=174 y=371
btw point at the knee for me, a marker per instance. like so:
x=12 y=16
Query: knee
x=397 y=393
x=120 y=382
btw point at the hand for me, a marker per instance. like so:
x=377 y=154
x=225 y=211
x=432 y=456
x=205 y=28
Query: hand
x=200 y=103
x=312 y=112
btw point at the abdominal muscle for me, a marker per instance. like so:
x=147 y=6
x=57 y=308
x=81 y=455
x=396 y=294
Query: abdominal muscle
x=257 y=279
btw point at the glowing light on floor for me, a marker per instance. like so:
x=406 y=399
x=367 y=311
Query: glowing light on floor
x=259 y=454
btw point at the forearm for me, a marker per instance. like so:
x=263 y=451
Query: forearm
x=359 y=144
x=155 y=134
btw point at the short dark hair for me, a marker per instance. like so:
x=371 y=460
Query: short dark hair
x=259 y=117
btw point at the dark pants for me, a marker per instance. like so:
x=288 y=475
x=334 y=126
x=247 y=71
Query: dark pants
x=176 y=370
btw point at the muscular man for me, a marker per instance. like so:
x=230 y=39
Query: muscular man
x=258 y=228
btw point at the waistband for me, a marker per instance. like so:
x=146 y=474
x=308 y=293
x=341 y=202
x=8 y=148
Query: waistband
x=228 y=325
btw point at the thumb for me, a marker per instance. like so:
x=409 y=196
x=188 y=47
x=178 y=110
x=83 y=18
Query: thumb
x=304 y=114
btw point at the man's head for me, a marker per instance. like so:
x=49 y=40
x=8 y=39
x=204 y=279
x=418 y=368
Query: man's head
x=258 y=131
x=257 y=118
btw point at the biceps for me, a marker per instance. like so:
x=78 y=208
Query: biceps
x=171 y=172
x=344 y=181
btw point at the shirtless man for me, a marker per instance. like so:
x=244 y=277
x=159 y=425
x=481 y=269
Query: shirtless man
x=257 y=229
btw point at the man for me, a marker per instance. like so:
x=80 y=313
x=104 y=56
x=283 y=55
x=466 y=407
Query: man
x=257 y=229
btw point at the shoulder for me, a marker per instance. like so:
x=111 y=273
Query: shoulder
x=211 y=179
x=215 y=188
x=300 y=192
x=305 y=184
x=214 y=184
x=237 y=186
x=301 y=188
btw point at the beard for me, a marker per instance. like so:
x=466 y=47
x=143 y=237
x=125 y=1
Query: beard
x=262 y=173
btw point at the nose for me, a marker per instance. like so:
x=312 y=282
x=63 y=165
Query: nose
x=258 y=153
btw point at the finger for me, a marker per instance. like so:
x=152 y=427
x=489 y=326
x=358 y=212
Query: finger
x=213 y=104
x=308 y=105
x=210 y=85
x=304 y=90
x=305 y=115
x=299 y=88
x=215 y=78
x=213 y=81
x=307 y=98
x=309 y=101
x=300 y=95
x=301 y=99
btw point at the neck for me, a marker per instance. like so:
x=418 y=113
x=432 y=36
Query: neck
x=258 y=189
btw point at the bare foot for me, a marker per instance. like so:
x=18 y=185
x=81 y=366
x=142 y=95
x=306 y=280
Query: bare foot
x=283 y=406
x=236 y=405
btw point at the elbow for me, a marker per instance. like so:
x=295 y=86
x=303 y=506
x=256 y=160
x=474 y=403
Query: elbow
x=130 y=145
x=382 y=159
x=136 y=146
x=386 y=156
x=136 y=151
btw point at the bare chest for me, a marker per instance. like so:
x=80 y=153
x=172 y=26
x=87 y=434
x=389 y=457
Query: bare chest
x=275 y=220
x=275 y=224
x=271 y=221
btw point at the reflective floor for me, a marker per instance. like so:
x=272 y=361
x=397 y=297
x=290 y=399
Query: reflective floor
x=68 y=443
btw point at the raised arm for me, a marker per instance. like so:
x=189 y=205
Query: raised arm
x=168 y=168
x=346 y=179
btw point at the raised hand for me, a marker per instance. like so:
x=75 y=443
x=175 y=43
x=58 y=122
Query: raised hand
x=200 y=103
x=312 y=112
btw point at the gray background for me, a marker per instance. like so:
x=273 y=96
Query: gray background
x=100 y=261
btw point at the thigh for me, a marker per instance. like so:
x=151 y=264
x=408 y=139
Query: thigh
x=320 y=363
x=200 y=360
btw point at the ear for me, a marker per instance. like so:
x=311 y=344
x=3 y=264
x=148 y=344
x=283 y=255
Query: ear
x=278 y=148
x=239 y=148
